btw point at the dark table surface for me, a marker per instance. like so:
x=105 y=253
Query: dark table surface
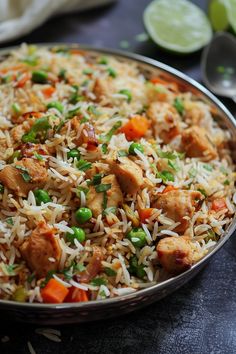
x=200 y=317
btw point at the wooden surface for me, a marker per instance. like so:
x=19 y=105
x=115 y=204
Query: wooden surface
x=200 y=317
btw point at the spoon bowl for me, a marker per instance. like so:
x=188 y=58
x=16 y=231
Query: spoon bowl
x=219 y=65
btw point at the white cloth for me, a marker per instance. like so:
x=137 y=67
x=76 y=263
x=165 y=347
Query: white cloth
x=19 y=17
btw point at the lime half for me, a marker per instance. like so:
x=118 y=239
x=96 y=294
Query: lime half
x=232 y=13
x=177 y=25
x=218 y=14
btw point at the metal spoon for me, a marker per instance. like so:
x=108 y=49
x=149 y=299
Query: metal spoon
x=219 y=65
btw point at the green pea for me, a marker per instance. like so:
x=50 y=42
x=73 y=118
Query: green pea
x=58 y=105
x=39 y=77
x=83 y=215
x=137 y=236
x=74 y=153
x=111 y=72
x=78 y=234
x=135 y=268
x=134 y=146
x=127 y=93
x=41 y=196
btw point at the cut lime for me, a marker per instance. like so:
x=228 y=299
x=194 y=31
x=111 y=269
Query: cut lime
x=218 y=14
x=232 y=13
x=177 y=25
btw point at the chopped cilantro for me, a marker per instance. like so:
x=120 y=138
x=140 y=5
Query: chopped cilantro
x=38 y=131
x=25 y=174
x=226 y=182
x=112 y=210
x=9 y=221
x=111 y=72
x=105 y=138
x=87 y=71
x=122 y=153
x=208 y=167
x=98 y=281
x=201 y=190
x=103 y=61
x=38 y=156
x=224 y=171
x=110 y=272
x=179 y=105
x=166 y=154
x=82 y=189
x=173 y=165
x=126 y=93
x=97 y=179
x=92 y=109
x=102 y=187
x=83 y=165
x=192 y=172
x=79 y=267
x=104 y=148
x=1 y=188
x=166 y=176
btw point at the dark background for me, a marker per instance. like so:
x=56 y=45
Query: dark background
x=200 y=317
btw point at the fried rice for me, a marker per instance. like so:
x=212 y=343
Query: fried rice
x=112 y=180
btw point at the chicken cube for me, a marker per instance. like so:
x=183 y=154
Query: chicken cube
x=178 y=204
x=175 y=254
x=41 y=250
x=101 y=89
x=114 y=195
x=23 y=176
x=128 y=173
x=196 y=143
x=166 y=121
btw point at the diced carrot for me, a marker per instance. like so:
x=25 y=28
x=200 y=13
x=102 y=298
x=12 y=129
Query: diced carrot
x=145 y=214
x=171 y=84
x=159 y=80
x=136 y=127
x=218 y=204
x=77 y=51
x=76 y=295
x=24 y=78
x=54 y=292
x=169 y=188
x=48 y=91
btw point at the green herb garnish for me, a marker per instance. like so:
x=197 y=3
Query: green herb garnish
x=98 y=281
x=38 y=132
x=110 y=210
x=104 y=148
x=110 y=272
x=1 y=188
x=179 y=105
x=102 y=187
x=122 y=153
x=97 y=179
x=111 y=72
x=83 y=165
x=105 y=138
x=127 y=93
x=166 y=176
x=9 y=221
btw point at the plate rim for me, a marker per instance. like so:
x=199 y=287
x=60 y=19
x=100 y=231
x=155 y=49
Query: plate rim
x=8 y=304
